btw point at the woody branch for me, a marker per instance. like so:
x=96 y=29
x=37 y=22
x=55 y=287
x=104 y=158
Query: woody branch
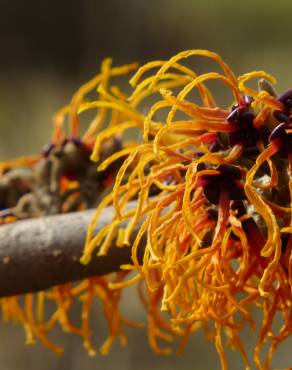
x=36 y=254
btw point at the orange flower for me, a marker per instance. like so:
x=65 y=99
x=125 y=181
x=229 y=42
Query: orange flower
x=217 y=230
x=214 y=198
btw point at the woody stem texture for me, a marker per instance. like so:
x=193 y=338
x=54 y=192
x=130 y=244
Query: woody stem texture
x=36 y=254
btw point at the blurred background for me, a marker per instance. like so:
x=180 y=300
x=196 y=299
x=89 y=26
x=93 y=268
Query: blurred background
x=49 y=48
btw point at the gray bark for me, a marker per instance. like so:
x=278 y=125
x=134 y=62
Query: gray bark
x=36 y=254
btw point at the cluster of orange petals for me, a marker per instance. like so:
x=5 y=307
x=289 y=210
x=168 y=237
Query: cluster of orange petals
x=208 y=182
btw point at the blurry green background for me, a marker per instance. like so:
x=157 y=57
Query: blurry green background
x=48 y=48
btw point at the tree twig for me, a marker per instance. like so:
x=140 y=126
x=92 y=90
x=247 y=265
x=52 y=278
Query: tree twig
x=36 y=254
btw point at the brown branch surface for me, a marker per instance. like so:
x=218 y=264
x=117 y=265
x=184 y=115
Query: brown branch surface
x=36 y=254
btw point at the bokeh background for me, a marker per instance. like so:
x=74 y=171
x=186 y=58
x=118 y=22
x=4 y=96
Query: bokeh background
x=48 y=48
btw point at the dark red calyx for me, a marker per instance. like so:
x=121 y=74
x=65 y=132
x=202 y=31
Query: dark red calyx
x=227 y=180
x=246 y=134
x=240 y=115
x=248 y=100
x=282 y=139
x=47 y=149
x=286 y=100
x=281 y=116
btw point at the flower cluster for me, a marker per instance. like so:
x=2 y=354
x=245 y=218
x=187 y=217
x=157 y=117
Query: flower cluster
x=213 y=190
x=218 y=230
